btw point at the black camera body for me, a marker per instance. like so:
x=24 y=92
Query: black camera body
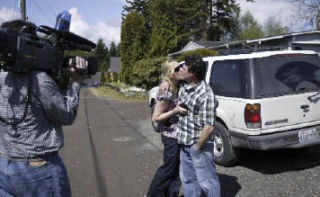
x=25 y=47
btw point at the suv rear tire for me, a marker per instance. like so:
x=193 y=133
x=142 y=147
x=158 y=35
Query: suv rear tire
x=224 y=152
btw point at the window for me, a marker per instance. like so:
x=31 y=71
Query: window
x=227 y=78
x=281 y=75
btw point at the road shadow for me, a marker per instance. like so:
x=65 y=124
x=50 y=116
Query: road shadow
x=229 y=185
x=277 y=161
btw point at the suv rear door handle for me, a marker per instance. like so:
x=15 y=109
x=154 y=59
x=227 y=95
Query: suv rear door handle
x=304 y=106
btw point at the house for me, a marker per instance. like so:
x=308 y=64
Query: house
x=193 y=45
x=115 y=65
x=309 y=40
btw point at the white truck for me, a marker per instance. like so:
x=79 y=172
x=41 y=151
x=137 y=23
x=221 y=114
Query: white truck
x=266 y=100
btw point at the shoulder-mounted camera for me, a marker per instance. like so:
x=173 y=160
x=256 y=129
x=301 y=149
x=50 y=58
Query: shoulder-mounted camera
x=25 y=47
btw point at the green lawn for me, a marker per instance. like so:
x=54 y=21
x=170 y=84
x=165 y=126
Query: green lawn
x=117 y=84
x=109 y=93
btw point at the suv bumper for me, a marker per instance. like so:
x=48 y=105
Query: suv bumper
x=287 y=139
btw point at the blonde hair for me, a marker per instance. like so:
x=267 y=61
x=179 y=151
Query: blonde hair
x=167 y=70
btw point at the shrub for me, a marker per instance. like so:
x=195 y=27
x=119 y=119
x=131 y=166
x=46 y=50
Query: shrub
x=200 y=52
x=103 y=78
x=146 y=73
x=109 y=79
x=115 y=77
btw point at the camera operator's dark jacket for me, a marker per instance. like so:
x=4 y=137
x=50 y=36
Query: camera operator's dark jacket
x=40 y=131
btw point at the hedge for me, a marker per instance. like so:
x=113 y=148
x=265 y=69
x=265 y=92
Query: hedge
x=200 y=52
x=146 y=73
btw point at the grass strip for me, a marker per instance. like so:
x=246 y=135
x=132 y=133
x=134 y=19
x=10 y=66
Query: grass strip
x=109 y=93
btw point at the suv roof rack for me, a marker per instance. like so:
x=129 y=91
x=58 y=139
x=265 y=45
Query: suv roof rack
x=248 y=49
x=282 y=42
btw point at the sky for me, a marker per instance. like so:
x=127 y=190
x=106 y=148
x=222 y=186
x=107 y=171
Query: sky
x=94 y=19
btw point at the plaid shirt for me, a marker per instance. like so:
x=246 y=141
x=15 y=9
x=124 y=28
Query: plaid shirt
x=200 y=102
x=40 y=132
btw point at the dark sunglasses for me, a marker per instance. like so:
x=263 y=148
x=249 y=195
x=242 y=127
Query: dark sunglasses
x=177 y=68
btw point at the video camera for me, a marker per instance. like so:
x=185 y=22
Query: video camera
x=25 y=47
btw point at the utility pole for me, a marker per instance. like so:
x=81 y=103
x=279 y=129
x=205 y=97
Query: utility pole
x=23 y=9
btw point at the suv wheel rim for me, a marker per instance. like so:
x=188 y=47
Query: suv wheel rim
x=218 y=146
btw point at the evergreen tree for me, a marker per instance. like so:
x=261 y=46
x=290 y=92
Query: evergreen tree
x=207 y=20
x=140 y=6
x=201 y=15
x=118 y=50
x=183 y=14
x=174 y=23
x=171 y=24
x=113 y=49
x=133 y=43
x=103 y=78
x=223 y=20
x=101 y=53
x=164 y=31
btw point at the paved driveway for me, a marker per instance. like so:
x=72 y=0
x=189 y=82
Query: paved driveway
x=112 y=151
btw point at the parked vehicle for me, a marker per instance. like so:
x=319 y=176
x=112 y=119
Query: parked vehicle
x=96 y=84
x=266 y=100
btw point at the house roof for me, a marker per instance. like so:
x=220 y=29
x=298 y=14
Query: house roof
x=193 y=45
x=206 y=43
x=115 y=64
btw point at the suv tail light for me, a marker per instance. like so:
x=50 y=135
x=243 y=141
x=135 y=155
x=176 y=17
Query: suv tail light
x=252 y=115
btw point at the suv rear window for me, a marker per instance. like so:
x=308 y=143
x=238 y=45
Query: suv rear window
x=286 y=74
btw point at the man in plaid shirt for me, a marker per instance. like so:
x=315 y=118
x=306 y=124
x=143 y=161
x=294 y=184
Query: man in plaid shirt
x=194 y=132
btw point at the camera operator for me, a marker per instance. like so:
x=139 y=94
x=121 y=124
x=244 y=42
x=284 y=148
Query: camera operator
x=33 y=110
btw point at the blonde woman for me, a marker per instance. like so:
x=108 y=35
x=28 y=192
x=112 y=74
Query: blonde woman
x=166 y=181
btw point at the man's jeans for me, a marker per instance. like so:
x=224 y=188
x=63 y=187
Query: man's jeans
x=197 y=171
x=166 y=181
x=31 y=179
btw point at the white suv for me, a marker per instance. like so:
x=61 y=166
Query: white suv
x=266 y=100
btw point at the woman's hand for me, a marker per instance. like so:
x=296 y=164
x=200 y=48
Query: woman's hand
x=164 y=87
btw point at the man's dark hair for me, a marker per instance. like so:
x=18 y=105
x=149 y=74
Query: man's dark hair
x=196 y=66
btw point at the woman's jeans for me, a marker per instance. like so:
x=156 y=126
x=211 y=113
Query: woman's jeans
x=197 y=171
x=46 y=178
x=166 y=181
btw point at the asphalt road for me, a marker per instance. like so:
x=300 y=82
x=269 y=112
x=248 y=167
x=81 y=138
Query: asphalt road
x=112 y=151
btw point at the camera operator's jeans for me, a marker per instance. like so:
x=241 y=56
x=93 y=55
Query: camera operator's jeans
x=197 y=171
x=24 y=179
